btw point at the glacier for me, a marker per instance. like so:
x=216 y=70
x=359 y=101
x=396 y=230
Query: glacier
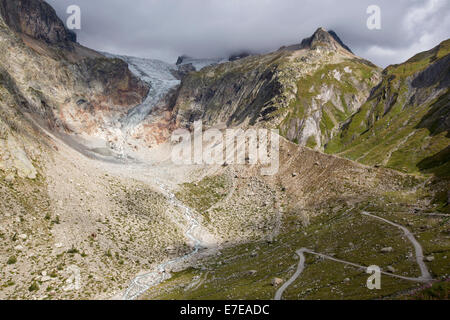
x=160 y=77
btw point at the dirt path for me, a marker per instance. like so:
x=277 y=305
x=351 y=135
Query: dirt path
x=396 y=148
x=418 y=248
x=425 y=277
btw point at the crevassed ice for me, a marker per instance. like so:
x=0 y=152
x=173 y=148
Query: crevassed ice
x=159 y=76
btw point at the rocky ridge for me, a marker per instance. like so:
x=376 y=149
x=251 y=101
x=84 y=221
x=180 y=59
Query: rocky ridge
x=306 y=90
x=68 y=86
x=36 y=19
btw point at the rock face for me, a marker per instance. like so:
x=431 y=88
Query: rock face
x=239 y=55
x=405 y=122
x=118 y=82
x=306 y=90
x=336 y=37
x=324 y=39
x=181 y=59
x=36 y=19
x=227 y=93
x=276 y=282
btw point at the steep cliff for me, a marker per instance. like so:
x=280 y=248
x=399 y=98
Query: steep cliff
x=36 y=19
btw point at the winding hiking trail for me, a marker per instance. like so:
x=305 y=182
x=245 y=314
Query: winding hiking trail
x=418 y=248
x=425 y=277
x=140 y=284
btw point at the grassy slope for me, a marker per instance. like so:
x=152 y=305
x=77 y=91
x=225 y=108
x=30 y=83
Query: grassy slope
x=308 y=88
x=342 y=232
x=406 y=137
x=278 y=88
x=337 y=229
x=203 y=195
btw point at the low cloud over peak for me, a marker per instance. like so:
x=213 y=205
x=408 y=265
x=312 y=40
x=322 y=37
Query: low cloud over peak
x=166 y=29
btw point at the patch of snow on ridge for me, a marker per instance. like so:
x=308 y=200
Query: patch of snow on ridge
x=337 y=75
x=199 y=64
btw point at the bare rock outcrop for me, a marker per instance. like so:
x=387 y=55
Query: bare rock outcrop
x=36 y=19
x=66 y=85
x=307 y=90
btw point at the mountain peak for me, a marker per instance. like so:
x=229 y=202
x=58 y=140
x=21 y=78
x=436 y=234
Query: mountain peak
x=336 y=37
x=35 y=18
x=324 y=38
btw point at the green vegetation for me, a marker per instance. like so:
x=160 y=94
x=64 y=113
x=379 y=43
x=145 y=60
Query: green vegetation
x=12 y=260
x=311 y=143
x=245 y=271
x=34 y=287
x=203 y=195
x=73 y=250
x=339 y=78
x=397 y=129
x=437 y=291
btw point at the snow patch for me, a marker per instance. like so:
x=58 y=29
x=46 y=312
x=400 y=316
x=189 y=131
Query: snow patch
x=337 y=75
x=325 y=94
x=199 y=64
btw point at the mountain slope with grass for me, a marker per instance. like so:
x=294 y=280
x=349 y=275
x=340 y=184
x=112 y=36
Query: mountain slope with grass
x=63 y=218
x=406 y=120
x=306 y=90
x=325 y=215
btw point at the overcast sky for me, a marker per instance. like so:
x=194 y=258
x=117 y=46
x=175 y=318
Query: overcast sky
x=165 y=29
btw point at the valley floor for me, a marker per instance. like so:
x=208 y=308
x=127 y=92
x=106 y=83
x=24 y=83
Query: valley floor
x=148 y=229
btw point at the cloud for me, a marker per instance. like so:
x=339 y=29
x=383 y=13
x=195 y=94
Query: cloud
x=165 y=29
x=425 y=24
x=419 y=15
